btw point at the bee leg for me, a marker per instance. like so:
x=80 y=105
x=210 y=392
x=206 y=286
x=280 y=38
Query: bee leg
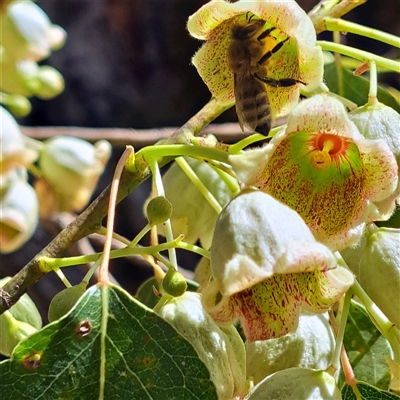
x=265 y=34
x=278 y=83
x=268 y=54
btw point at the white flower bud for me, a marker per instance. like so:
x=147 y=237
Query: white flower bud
x=19 y=215
x=311 y=346
x=296 y=384
x=378 y=121
x=20 y=77
x=51 y=83
x=27 y=32
x=72 y=167
x=379 y=271
x=220 y=349
x=13 y=151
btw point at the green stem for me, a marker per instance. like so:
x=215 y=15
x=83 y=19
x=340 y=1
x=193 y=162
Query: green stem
x=186 y=168
x=164 y=260
x=338 y=65
x=62 y=277
x=177 y=150
x=361 y=55
x=226 y=176
x=49 y=264
x=340 y=25
x=140 y=235
x=194 y=249
x=340 y=335
x=239 y=146
x=373 y=84
x=386 y=327
x=91 y=271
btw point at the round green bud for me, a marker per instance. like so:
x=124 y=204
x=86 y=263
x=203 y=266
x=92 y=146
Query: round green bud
x=19 y=105
x=51 y=83
x=174 y=283
x=63 y=301
x=158 y=210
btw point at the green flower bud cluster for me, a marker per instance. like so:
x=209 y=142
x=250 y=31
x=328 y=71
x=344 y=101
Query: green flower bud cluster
x=28 y=36
x=17 y=323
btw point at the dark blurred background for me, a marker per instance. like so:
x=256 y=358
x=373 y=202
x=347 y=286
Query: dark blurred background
x=127 y=64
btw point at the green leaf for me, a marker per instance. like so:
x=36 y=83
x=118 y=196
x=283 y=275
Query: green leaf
x=367 y=392
x=355 y=88
x=366 y=348
x=108 y=347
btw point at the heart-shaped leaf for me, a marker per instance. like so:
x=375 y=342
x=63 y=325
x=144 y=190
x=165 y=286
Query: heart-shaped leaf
x=109 y=346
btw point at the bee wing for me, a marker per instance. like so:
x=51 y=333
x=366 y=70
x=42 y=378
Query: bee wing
x=246 y=89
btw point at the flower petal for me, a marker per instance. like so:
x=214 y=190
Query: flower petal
x=320 y=290
x=380 y=169
x=255 y=237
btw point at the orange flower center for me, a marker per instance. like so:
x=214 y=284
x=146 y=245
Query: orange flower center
x=327 y=148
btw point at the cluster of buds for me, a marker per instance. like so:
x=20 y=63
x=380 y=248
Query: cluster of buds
x=28 y=37
x=18 y=201
x=69 y=167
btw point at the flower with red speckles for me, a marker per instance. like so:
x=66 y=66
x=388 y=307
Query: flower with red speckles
x=300 y=58
x=322 y=167
x=266 y=266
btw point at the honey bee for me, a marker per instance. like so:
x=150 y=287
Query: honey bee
x=248 y=56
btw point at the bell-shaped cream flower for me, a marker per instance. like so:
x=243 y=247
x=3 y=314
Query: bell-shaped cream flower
x=72 y=167
x=299 y=58
x=266 y=266
x=378 y=121
x=19 y=215
x=322 y=167
x=14 y=151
